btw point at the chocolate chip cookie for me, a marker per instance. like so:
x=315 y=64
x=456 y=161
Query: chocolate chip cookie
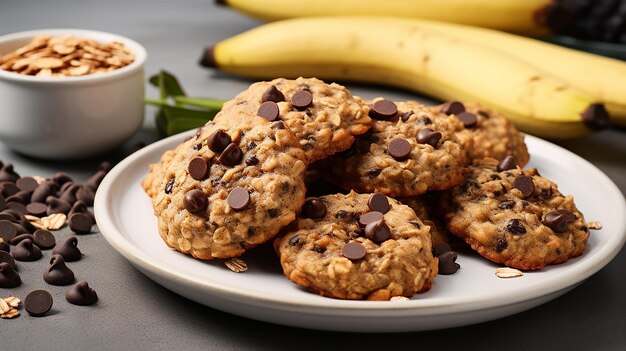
x=515 y=217
x=358 y=246
x=406 y=153
x=484 y=132
x=229 y=188
x=324 y=117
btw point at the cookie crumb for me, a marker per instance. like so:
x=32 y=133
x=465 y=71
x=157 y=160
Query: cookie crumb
x=594 y=225
x=506 y=272
x=236 y=265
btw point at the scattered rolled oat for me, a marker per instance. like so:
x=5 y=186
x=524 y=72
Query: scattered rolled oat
x=12 y=301
x=236 y=265
x=506 y=272
x=399 y=298
x=12 y=313
x=54 y=221
x=8 y=307
x=47 y=56
x=594 y=225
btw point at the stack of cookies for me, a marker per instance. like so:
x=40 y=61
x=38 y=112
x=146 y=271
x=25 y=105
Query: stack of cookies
x=363 y=199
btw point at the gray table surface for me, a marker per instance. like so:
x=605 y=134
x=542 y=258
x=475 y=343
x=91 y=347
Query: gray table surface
x=136 y=313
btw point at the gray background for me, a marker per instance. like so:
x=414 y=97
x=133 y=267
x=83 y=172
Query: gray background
x=135 y=313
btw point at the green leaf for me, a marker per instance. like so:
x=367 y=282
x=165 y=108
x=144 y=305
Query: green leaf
x=172 y=119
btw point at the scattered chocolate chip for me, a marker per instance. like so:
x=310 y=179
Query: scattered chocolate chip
x=68 y=249
x=198 y=168
x=169 y=186
x=399 y=149
x=252 y=161
x=22 y=197
x=506 y=164
x=507 y=205
x=423 y=120
x=26 y=251
x=81 y=207
x=17 y=207
x=353 y=251
x=302 y=99
x=58 y=273
x=9 y=215
x=24 y=223
x=440 y=248
x=272 y=94
x=469 y=119
x=195 y=201
x=295 y=240
x=28 y=184
x=378 y=202
x=7 y=230
x=105 y=166
x=8 y=174
x=81 y=294
x=94 y=181
x=69 y=195
x=524 y=184
x=85 y=195
x=595 y=116
x=3 y=203
x=6 y=257
x=370 y=217
x=8 y=276
x=428 y=136
x=501 y=244
x=238 y=198
x=19 y=228
x=38 y=303
x=268 y=110
x=61 y=178
x=559 y=220
x=7 y=189
x=231 y=156
x=405 y=116
x=377 y=231
x=65 y=187
x=515 y=226
x=44 y=239
x=453 y=108
x=447 y=263
x=5 y=246
x=314 y=209
x=384 y=110
x=37 y=209
x=19 y=238
x=56 y=205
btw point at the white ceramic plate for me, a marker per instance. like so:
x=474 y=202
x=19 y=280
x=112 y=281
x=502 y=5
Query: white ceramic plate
x=474 y=294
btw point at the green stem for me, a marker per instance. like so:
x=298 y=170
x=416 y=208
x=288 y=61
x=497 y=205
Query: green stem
x=199 y=102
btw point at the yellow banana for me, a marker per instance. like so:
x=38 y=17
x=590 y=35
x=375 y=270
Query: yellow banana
x=404 y=53
x=519 y=16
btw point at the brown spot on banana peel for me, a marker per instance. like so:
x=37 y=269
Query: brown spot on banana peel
x=208 y=58
x=595 y=116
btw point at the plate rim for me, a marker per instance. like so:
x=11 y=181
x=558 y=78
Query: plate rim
x=574 y=275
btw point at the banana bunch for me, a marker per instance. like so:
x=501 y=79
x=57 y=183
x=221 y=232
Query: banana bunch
x=435 y=59
x=528 y=17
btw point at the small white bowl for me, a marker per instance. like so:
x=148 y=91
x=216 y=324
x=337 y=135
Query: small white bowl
x=70 y=117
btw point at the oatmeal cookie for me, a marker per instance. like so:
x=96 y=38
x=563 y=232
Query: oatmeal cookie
x=515 y=217
x=228 y=189
x=406 y=153
x=358 y=246
x=324 y=117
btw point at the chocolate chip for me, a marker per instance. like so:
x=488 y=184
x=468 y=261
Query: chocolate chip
x=314 y=209
x=22 y=197
x=3 y=203
x=7 y=189
x=524 y=184
x=440 y=248
x=319 y=249
x=516 y=227
x=8 y=276
x=595 y=116
x=105 y=166
x=423 y=120
x=8 y=174
x=37 y=209
x=428 y=136
x=377 y=231
x=5 y=246
x=44 y=239
x=447 y=263
x=65 y=187
x=399 y=149
x=56 y=205
x=19 y=238
x=483 y=113
x=58 y=273
x=378 y=202
x=6 y=257
x=238 y=198
x=272 y=94
x=469 y=119
x=278 y=125
x=85 y=195
x=169 y=186
x=506 y=164
x=42 y=191
x=26 y=251
x=195 y=201
x=81 y=294
x=61 y=178
x=353 y=251
x=28 y=184
x=342 y=214
x=453 y=108
x=17 y=207
x=10 y=215
x=218 y=141
x=370 y=217
x=405 y=116
x=268 y=110
x=273 y=212
x=198 y=168
x=302 y=99
x=81 y=207
x=38 y=303
x=559 y=220
x=373 y=173
x=68 y=249
x=94 y=181
x=7 y=230
x=70 y=194
x=384 y=110
x=501 y=244
x=231 y=156
x=252 y=161
x=507 y=205
x=295 y=240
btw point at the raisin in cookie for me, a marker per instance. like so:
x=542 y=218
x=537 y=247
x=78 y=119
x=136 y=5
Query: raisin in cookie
x=515 y=217
x=358 y=246
x=484 y=132
x=324 y=117
x=406 y=153
x=228 y=189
